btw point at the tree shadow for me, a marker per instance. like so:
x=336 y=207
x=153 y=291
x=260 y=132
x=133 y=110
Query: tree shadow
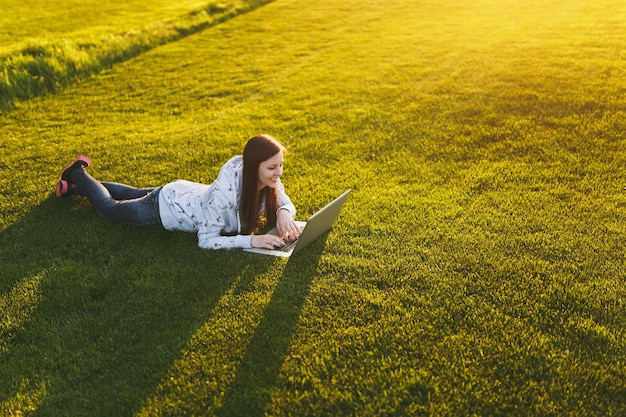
x=249 y=393
x=94 y=313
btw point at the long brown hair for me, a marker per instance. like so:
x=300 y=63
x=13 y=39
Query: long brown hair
x=258 y=149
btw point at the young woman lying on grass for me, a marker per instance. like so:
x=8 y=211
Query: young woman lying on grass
x=223 y=214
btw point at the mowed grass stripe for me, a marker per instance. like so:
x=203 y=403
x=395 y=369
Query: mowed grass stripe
x=485 y=140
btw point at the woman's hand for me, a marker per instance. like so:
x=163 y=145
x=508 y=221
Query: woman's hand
x=288 y=230
x=266 y=241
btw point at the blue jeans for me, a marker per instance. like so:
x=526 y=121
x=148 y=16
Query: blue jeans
x=118 y=202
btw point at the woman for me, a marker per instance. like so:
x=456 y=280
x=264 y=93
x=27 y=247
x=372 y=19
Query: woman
x=224 y=214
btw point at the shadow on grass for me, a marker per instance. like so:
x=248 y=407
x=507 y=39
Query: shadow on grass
x=249 y=393
x=93 y=313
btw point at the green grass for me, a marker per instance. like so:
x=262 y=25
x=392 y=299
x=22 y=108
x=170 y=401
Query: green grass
x=490 y=137
x=79 y=19
x=58 y=45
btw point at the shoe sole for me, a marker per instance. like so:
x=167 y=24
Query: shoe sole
x=62 y=188
x=81 y=158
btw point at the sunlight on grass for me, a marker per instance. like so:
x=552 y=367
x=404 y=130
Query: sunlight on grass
x=82 y=18
x=36 y=66
x=16 y=308
x=26 y=401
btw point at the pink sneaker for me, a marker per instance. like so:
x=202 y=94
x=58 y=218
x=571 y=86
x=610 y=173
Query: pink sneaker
x=65 y=186
x=79 y=162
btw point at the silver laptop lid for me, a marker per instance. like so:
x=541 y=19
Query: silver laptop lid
x=321 y=221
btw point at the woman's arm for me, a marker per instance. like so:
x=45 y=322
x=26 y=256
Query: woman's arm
x=206 y=241
x=266 y=241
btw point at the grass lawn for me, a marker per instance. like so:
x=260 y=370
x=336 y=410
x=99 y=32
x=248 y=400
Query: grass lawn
x=83 y=18
x=478 y=267
x=44 y=46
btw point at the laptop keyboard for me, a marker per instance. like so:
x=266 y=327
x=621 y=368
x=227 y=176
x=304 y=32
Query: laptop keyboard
x=289 y=246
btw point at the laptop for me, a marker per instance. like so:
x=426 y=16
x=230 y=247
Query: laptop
x=317 y=224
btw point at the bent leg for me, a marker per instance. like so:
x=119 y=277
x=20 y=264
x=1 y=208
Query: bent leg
x=126 y=192
x=141 y=211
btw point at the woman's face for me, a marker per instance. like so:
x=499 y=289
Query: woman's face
x=270 y=171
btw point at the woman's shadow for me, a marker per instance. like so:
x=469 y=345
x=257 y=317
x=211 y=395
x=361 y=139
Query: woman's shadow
x=249 y=393
x=84 y=299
